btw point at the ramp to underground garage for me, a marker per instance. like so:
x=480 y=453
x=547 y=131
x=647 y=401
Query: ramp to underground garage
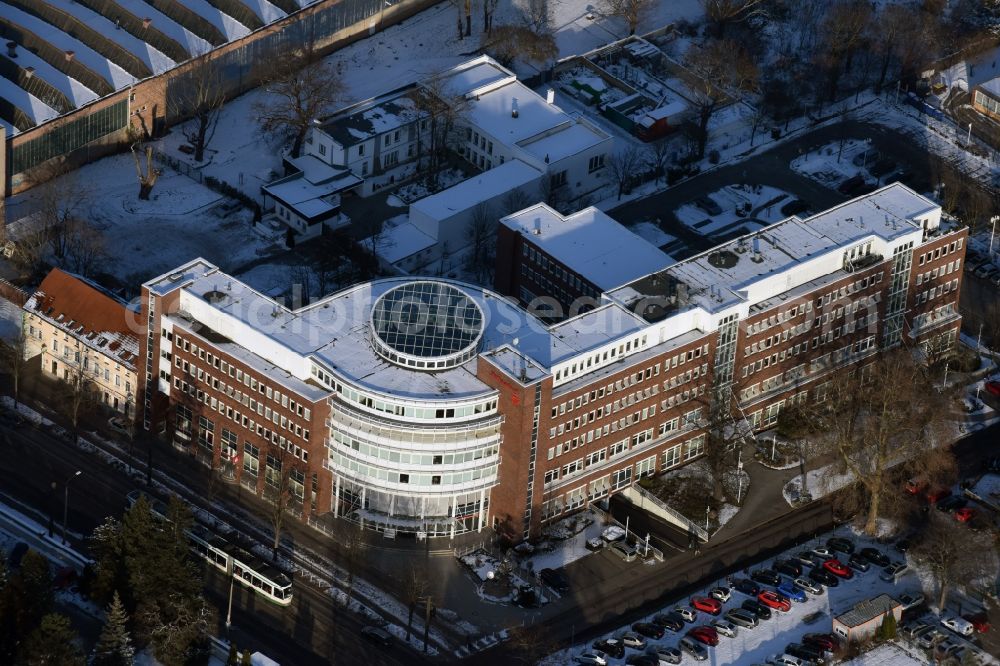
x=644 y=518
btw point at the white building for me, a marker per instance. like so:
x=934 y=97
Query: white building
x=308 y=200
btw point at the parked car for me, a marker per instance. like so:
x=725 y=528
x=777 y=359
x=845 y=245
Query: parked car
x=648 y=629
x=742 y=618
x=725 y=628
x=708 y=205
x=760 y=610
x=693 y=648
x=858 y=562
x=788 y=589
x=806 y=653
x=979 y=621
x=633 y=640
x=721 y=593
x=613 y=533
x=910 y=600
x=812 y=587
x=946 y=648
x=594 y=544
x=706 y=605
x=914 y=486
x=766 y=577
x=642 y=660
x=841 y=545
x=119 y=425
x=668 y=655
x=824 y=577
x=814 y=617
x=624 y=551
x=930 y=638
x=377 y=635
x=875 y=556
x=894 y=572
x=825 y=642
x=555 y=579
x=903 y=543
x=790 y=568
x=669 y=621
x=703 y=634
x=959 y=625
x=772 y=600
x=591 y=658
x=993 y=388
x=965 y=514
x=686 y=614
x=746 y=586
x=915 y=630
x=823 y=553
x=837 y=568
x=611 y=647
x=952 y=503
x=785 y=660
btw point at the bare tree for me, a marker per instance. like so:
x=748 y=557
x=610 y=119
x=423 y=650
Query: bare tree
x=78 y=395
x=299 y=89
x=507 y=43
x=489 y=9
x=623 y=166
x=200 y=95
x=757 y=117
x=537 y=15
x=14 y=350
x=148 y=178
x=514 y=201
x=279 y=493
x=414 y=588
x=843 y=29
x=877 y=417
x=531 y=643
x=482 y=240
x=721 y=68
x=447 y=132
x=62 y=204
x=86 y=251
x=721 y=13
x=353 y=550
x=954 y=553
x=657 y=157
x=633 y=12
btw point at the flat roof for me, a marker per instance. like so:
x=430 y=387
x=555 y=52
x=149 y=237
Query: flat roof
x=492 y=110
x=401 y=240
x=992 y=87
x=472 y=191
x=590 y=243
x=473 y=75
x=565 y=141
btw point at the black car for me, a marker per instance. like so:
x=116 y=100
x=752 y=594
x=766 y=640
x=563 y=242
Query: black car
x=875 y=556
x=760 y=610
x=840 y=545
x=669 y=621
x=805 y=653
x=858 y=562
x=648 y=629
x=555 y=579
x=611 y=647
x=766 y=577
x=823 y=576
x=902 y=544
x=746 y=586
x=789 y=568
x=643 y=660
x=952 y=503
x=377 y=635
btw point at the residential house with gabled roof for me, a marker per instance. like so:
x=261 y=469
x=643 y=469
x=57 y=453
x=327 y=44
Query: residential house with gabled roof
x=78 y=327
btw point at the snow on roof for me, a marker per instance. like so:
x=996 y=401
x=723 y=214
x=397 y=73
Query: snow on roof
x=361 y=122
x=674 y=108
x=194 y=44
x=592 y=329
x=304 y=191
x=565 y=141
x=590 y=243
x=868 y=610
x=492 y=110
x=154 y=59
x=476 y=74
x=33 y=107
x=481 y=187
x=77 y=93
x=740 y=270
x=401 y=239
x=992 y=87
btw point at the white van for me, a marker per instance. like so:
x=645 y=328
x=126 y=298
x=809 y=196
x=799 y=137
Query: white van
x=785 y=660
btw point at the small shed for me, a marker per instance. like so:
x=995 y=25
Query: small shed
x=861 y=622
x=986 y=98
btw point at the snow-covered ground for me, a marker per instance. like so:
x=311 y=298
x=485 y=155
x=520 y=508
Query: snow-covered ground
x=770 y=638
x=764 y=208
x=889 y=654
x=568 y=549
x=834 y=162
x=652 y=233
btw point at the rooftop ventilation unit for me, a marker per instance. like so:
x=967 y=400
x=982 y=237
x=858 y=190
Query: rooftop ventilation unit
x=513 y=107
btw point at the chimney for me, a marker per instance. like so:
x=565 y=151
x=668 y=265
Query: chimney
x=146 y=22
x=756 y=244
x=550 y=96
x=513 y=107
x=538 y=226
x=70 y=55
x=11 y=49
x=29 y=72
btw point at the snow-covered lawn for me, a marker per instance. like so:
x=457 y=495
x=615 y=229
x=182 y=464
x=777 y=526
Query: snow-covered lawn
x=770 y=638
x=834 y=162
x=764 y=208
x=889 y=654
x=567 y=550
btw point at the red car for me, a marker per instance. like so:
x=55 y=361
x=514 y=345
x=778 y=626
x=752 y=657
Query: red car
x=706 y=635
x=827 y=642
x=706 y=605
x=993 y=388
x=837 y=568
x=937 y=494
x=914 y=486
x=979 y=621
x=965 y=514
x=772 y=600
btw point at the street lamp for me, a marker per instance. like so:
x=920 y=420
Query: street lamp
x=968 y=140
x=66 y=502
x=993 y=222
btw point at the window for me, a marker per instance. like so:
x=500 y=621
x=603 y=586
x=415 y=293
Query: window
x=322 y=148
x=596 y=162
x=694 y=447
x=361 y=149
x=557 y=180
x=272 y=472
x=672 y=457
x=251 y=459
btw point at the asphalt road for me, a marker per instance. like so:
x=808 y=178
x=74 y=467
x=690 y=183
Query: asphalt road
x=313 y=630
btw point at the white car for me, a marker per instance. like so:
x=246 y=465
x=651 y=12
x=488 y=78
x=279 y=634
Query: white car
x=686 y=613
x=958 y=625
x=725 y=628
x=613 y=533
x=720 y=593
x=591 y=658
x=823 y=552
x=633 y=640
x=785 y=660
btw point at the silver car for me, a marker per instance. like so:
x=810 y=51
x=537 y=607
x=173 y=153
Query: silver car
x=725 y=628
x=693 y=648
x=810 y=586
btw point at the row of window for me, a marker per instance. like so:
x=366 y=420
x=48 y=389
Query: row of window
x=413 y=458
x=596 y=360
x=937 y=314
x=410 y=411
x=556 y=269
x=939 y=252
x=380 y=473
x=934 y=273
x=936 y=292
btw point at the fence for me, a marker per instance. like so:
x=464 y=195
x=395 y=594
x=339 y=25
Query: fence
x=13 y=293
x=671 y=514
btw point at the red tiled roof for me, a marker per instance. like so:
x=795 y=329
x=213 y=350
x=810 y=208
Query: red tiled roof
x=62 y=293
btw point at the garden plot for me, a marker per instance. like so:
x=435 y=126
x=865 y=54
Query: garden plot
x=770 y=638
x=564 y=542
x=740 y=207
x=833 y=163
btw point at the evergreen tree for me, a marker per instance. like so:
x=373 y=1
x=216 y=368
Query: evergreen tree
x=108 y=576
x=246 y=660
x=234 y=656
x=114 y=646
x=31 y=592
x=888 y=627
x=52 y=643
